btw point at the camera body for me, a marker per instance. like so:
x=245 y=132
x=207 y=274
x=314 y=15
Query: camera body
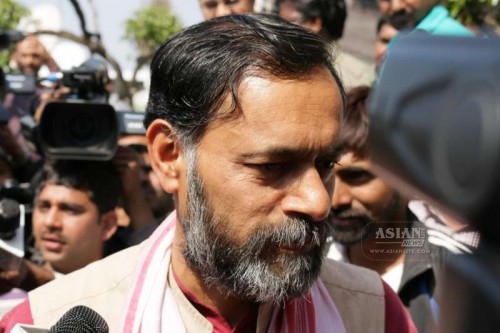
x=78 y=130
x=86 y=82
x=12 y=230
x=15 y=212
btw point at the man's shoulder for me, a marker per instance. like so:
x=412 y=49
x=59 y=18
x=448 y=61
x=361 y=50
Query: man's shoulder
x=351 y=277
x=95 y=285
x=439 y=22
x=355 y=290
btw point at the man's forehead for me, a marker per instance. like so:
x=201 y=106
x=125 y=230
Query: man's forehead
x=246 y=102
x=350 y=158
x=55 y=187
x=29 y=44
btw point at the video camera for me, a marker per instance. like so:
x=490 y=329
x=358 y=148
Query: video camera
x=86 y=82
x=435 y=133
x=83 y=126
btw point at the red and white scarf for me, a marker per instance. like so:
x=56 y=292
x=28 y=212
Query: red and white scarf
x=151 y=306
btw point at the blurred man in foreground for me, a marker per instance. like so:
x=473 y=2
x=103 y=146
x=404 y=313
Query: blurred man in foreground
x=242 y=125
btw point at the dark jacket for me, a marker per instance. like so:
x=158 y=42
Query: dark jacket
x=420 y=283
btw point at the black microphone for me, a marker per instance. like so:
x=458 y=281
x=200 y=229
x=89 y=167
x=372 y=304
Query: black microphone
x=80 y=319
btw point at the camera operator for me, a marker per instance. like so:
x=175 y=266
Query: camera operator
x=28 y=57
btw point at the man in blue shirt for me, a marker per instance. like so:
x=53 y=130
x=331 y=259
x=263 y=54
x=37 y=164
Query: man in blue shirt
x=429 y=16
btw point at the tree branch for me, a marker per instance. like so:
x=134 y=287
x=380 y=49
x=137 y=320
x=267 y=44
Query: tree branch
x=81 y=18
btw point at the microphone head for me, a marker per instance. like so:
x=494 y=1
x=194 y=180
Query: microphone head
x=80 y=319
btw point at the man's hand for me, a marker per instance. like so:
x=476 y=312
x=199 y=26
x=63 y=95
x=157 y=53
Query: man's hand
x=53 y=94
x=11 y=146
x=27 y=277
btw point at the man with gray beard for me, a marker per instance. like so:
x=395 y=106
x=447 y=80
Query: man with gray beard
x=243 y=125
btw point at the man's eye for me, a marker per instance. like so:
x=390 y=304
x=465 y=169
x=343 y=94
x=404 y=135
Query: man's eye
x=358 y=177
x=210 y=4
x=42 y=207
x=271 y=167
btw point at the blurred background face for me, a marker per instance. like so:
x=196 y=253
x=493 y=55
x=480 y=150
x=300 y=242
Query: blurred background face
x=359 y=198
x=29 y=55
x=290 y=13
x=417 y=8
x=216 y=8
x=67 y=228
x=384 y=36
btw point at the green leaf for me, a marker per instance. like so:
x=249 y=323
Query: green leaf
x=150 y=27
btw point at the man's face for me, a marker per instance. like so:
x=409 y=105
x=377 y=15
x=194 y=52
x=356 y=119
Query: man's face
x=216 y=8
x=67 y=228
x=384 y=36
x=259 y=189
x=359 y=198
x=29 y=55
x=291 y=14
x=417 y=8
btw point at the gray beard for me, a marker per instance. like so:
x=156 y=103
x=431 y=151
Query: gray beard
x=257 y=270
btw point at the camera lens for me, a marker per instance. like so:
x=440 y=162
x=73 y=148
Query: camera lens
x=81 y=129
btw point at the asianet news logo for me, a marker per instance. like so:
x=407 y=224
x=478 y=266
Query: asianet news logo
x=407 y=237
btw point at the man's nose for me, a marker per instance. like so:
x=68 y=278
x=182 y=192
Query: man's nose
x=341 y=194
x=223 y=10
x=52 y=219
x=308 y=196
x=396 y=5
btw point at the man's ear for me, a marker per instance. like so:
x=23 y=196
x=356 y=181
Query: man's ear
x=164 y=153
x=109 y=223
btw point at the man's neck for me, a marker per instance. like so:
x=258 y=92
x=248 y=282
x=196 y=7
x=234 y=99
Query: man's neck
x=233 y=309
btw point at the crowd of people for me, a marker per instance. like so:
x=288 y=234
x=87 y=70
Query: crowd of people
x=250 y=203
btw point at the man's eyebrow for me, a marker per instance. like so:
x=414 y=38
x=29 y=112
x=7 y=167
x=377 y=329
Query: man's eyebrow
x=349 y=169
x=285 y=152
x=72 y=206
x=40 y=200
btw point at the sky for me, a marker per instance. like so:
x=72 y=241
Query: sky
x=111 y=15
